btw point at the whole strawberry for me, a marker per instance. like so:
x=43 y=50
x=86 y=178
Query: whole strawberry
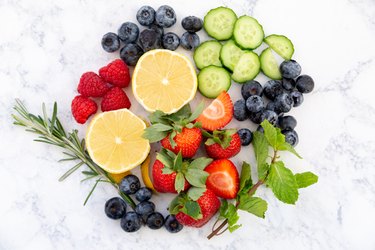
x=116 y=73
x=199 y=212
x=91 y=85
x=115 y=99
x=222 y=144
x=177 y=132
x=165 y=183
x=83 y=108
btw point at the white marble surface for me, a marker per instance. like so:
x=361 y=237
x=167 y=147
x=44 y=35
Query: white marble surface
x=46 y=45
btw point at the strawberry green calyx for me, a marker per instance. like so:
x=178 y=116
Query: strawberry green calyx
x=221 y=137
x=184 y=203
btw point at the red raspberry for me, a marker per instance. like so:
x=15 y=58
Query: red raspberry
x=91 y=85
x=116 y=73
x=82 y=108
x=115 y=99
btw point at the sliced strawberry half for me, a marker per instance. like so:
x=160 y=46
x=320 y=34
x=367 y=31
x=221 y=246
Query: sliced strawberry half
x=218 y=114
x=223 y=179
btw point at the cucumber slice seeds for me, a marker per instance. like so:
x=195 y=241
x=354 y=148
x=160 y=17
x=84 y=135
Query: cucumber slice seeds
x=207 y=54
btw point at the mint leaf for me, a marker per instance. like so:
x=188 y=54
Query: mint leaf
x=287 y=147
x=223 y=208
x=200 y=163
x=196 y=177
x=192 y=209
x=306 y=179
x=270 y=133
x=232 y=216
x=261 y=153
x=234 y=227
x=245 y=178
x=283 y=183
x=195 y=192
x=179 y=182
x=254 y=205
x=198 y=110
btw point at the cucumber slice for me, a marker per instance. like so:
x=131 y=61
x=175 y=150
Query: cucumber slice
x=230 y=54
x=281 y=45
x=213 y=80
x=248 y=33
x=247 y=67
x=207 y=54
x=219 y=23
x=269 y=65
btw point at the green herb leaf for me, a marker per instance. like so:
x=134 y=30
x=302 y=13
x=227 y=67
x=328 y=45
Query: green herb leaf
x=179 y=183
x=192 y=209
x=287 y=147
x=245 y=178
x=306 y=179
x=270 y=133
x=223 y=208
x=198 y=110
x=232 y=216
x=196 y=177
x=283 y=183
x=234 y=227
x=254 y=205
x=195 y=192
x=261 y=153
x=200 y=163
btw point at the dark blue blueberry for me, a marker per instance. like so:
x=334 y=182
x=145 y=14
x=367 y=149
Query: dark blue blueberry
x=251 y=88
x=146 y=15
x=305 y=84
x=270 y=116
x=240 y=110
x=290 y=69
x=155 y=220
x=287 y=122
x=192 y=24
x=291 y=137
x=254 y=104
x=272 y=89
x=149 y=39
x=115 y=208
x=171 y=41
x=130 y=184
x=130 y=54
x=189 y=41
x=246 y=136
x=143 y=194
x=157 y=29
x=256 y=117
x=110 y=42
x=172 y=224
x=144 y=209
x=131 y=222
x=283 y=103
x=165 y=16
x=297 y=98
x=260 y=129
x=271 y=106
x=288 y=84
x=128 y=32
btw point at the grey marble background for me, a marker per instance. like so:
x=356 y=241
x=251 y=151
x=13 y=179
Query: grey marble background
x=46 y=45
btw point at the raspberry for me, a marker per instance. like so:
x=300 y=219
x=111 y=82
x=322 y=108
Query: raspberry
x=116 y=73
x=82 y=108
x=91 y=85
x=115 y=99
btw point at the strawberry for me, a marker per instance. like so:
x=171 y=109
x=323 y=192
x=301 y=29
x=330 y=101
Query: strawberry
x=92 y=85
x=208 y=204
x=164 y=183
x=218 y=114
x=177 y=132
x=222 y=144
x=83 y=108
x=116 y=73
x=223 y=179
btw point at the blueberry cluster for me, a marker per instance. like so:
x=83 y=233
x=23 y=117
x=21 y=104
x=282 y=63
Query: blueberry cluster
x=281 y=96
x=144 y=212
x=137 y=42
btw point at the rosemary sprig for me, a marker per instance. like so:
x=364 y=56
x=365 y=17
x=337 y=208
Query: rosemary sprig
x=51 y=131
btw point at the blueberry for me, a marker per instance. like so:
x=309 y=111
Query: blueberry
x=272 y=106
x=272 y=89
x=288 y=84
x=128 y=32
x=246 y=136
x=131 y=222
x=165 y=16
x=157 y=29
x=171 y=41
x=110 y=42
x=146 y=15
x=130 y=184
x=115 y=208
x=190 y=41
x=297 y=98
x=172 y=224
x=149 y=39
x=192 y=24
x=305 y=84
x=155 y=220
x=251 y=88
x=291 y=137
x=290 y=69
x=130 y=54
x=240 y=110
x=256 y=117
x=254 y=104
x=287 y=122
x=144 y=209
x=143 y=194
x=260 y=129
x=270 y=116
x=283 y=102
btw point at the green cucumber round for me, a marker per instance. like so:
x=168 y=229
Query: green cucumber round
x=213 y=80
x=248 y=33
x=281 y=45
x=247 y=68
x=269 y=65
x=219 y=23
x=230 y=54
x=207 y=54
